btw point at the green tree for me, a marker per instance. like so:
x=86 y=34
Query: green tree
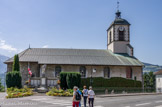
x=149 y=80
x=146 y=80
x=16 y=66
x=70 y=79
x=13 y=79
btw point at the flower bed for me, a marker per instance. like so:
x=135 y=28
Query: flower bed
x=60 y=92
x=15 y=92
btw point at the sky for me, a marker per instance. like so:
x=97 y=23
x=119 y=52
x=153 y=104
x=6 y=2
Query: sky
x=79 y=24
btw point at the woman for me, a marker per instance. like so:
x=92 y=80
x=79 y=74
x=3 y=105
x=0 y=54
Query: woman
x=91 y=96
x=85 y=95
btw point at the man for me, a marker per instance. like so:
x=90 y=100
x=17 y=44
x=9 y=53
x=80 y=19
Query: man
x=76 y=97
x=85 y=95
x=91 y=96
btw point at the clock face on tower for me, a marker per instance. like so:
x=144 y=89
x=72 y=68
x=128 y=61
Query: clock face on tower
x=121 y=28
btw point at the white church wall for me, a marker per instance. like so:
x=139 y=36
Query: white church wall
x=129 y=51
x=112 y=35
x=120 y=47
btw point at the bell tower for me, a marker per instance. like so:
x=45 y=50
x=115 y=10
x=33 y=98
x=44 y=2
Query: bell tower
x=118 y=36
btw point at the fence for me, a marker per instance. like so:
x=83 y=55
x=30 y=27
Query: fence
x=121 y=90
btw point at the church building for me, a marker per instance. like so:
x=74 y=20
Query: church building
x=117 y=60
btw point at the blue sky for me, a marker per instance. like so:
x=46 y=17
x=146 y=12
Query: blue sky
x=79 y=24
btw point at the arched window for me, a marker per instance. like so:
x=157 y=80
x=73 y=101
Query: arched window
x=121 y=35
x=129 y=73
x=107 y=72
x=83 y=71
x=110 y=38
x=57 y=71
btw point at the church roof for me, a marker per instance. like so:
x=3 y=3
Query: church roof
x=118 y=20
x=75 y=57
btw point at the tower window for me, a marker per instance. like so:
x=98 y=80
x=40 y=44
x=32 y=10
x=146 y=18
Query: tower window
x=121 y=35
x=110 y=38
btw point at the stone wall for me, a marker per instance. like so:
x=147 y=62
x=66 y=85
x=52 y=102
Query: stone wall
x=115 y=71
x=24 y=70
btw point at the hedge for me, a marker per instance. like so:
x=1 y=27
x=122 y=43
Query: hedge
x=63 y=83
x=112 y=82
x=13 y=79
x=70 y=79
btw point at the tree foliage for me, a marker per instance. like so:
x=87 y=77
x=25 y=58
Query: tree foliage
x=149 y=80
x=13 y=79
x=16 y=66
x=70 y=79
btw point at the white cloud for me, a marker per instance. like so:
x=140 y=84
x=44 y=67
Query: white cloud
x=7 y=47
x=45 y=46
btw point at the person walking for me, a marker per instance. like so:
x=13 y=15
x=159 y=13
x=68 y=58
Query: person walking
x=85 y=95
x=80 y=95
x=91 y=96
x=76 y=97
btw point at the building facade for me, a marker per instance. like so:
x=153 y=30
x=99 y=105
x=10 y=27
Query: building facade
x=116 y=61
x=158 y=81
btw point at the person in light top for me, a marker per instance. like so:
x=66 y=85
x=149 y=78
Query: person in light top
x=85 y=95
x=91 y=96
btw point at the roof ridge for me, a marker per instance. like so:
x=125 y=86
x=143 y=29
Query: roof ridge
x=70 y=49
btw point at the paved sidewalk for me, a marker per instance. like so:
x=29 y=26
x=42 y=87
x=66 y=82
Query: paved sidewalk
x=127 y=94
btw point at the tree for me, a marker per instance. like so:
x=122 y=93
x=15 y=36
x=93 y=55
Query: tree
x=13 y=79
x=146 y=80
x=149 y=80
x=70 y=79
x=16 y=66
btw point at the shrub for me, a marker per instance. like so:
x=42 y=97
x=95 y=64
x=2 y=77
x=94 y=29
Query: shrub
x=60 y=92
x=70 y=79
x=112 y=82
x=13 y=79
x=15 y=92
x=63 y=83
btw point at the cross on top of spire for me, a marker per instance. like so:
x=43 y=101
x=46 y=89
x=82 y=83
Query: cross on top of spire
x=118 y=13
x=117 y=5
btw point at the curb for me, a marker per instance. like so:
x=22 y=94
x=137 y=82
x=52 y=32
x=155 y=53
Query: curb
x=120 y=95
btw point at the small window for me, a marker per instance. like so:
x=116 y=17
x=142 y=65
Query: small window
x=129 y=73
x=107 y=72
x=83 y=71
x=110 y=38
x=57 y=71
x=121 y=35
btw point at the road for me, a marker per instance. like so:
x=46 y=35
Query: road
x=48 y=101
